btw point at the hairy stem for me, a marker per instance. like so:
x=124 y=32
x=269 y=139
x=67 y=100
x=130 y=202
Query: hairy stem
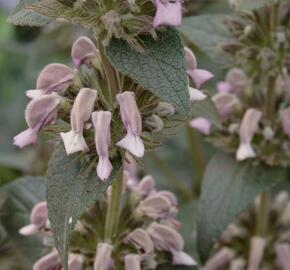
x=262 y=222
x=112 y=218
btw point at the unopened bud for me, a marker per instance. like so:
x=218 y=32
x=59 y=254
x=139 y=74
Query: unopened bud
x=154 y=123
x=164 y=109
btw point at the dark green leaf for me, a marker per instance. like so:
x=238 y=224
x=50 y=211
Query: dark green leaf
x=23 y=16
x=161 y=69
x=22 y=195
x=208 y=32
x=206 y=109
x=72 y=186
x=228 y=188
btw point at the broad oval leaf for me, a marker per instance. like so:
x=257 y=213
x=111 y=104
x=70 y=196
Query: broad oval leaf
x=161 y=69
x=229 y=187
x=23 y=16
x=208 y=32
x=72 y=186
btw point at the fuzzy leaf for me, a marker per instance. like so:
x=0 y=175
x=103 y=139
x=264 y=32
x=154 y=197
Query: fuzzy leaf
x=72 y=186
x=208 y=32
x=23 y=16
x=206 y=109
x=21 y=196
x=161 y=69
x=229 y=187
x=250 y=4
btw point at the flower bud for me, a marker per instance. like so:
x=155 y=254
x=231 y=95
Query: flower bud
x=220 y=260
x=54 y=78
x=164 y=109
x=201 y=124
x=80 y=114
x=103 y=259
x=238 y=264
x=102 y=121
x=39 y=113
x=50 y=261
x=285 y=117
x=257 y=248
x=75 y=262
x=224 y=87
x=196 y=95
x=154 y=123
x=84 y=51
x=225 y=104
x=132 y=262
x=168 y=13
x=283 y=255
x=141 y=240
x=248 y=129
x=38 y=218
x=146 y=186
x=132 y=121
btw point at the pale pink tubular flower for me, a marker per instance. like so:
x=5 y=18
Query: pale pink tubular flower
x=283 y=255
x=39 y=113
x=285 y=117
x=168 y=12
x=225 y=104
x=198 y=76
x=132 y=262
x=48 y=262
x=103 y=259
x=84 y=51
x=166 y=238
x=75 y=262
x=248 y=128
x=141 y=240
x=195 y=94
x=132 y=121
x=38 y=218
x=102 y=123
x=257 y=249
x=53 y=78
x=220 y=260
x=80 y=114
x=201 y=124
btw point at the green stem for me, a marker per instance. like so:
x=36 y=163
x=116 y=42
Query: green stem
x=262 y=221
x=270 y=98
x=113 y=213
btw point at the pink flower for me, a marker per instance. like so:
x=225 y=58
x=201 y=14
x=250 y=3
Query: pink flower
x=145 y=187
x=201 y=124
x=195 y=94
x=102 y=122
x=38 y=218
x=132 y=121
x=103 y=259
x=198 y=76
x=53 y=78
x=283 y=255
x=75 y=262
x=132 y=262
x=48 y=262
x=248 y=128
x=84 y=51
x=257 y=249
x=81 y=112
x=220 y=260
x=225 y=104
x=285 y=117
x=169 y=12
x=39 y=113
x=141 y=240
x=167 y=239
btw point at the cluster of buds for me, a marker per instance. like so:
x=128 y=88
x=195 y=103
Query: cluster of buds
x=125 y=19
x=101 y=122
x=241 y=247
x=146 y=237
x=253 y=101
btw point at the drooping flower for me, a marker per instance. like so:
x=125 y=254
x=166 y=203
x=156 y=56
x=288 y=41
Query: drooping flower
x=53 y=78
x=168 y=12
x=84 y=51
x=201 y=124
x=198 y=76
x=38 y=218
x=103 y=259
x=39 y=113
x=166 y=238
x=80 y=114
x=248 y=129
x=102 y=122
x=132 y=262
x=132 y=121
x=225 y=104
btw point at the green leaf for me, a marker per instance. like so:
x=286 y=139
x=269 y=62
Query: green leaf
x=250 y=4
x=22 y=195
x=206 y=109
x=208 y=32
x=161 y=69
x=23 y=16
x=72 y=186
x=228 y=188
